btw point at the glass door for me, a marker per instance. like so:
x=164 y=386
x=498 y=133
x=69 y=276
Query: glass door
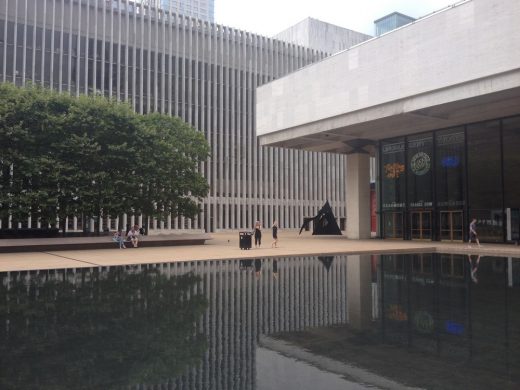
x=421 y=225
x=451 y=225
x=393 y=224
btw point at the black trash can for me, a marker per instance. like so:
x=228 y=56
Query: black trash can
x=245 y=240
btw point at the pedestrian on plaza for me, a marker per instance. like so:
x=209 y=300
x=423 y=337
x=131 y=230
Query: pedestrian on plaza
x=258 y=234
x=274 y=227
x=473 y=233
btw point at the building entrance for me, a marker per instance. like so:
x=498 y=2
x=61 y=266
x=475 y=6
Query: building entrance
x=421 y=225
x=451 y=223
x=393 y=224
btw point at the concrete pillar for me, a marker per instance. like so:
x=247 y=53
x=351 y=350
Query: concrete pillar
x=359 y=291
x=358 y=196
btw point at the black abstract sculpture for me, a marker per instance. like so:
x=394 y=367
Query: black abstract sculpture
x=324 y=222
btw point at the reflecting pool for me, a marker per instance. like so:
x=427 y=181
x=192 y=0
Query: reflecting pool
x=432 y=321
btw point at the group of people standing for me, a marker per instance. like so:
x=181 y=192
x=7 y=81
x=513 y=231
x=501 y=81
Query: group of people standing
x=258 y=234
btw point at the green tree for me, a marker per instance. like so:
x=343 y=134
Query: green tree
x=168 y=160
x=31 y=129
x=64 y=156
x=105 y=141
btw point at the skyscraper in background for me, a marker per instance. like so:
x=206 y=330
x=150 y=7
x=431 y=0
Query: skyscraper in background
x=200 y=9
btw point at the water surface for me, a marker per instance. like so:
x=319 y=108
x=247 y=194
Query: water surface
x=331 y=322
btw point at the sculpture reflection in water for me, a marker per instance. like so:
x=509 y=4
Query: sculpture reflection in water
x=111 y=330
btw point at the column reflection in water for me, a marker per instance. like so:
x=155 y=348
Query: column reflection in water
x=212 y=312
x=196 y=325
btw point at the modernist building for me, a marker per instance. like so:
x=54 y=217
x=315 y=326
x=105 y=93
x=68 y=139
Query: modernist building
x=204 y=73
x=320 y=35
x=437 y=102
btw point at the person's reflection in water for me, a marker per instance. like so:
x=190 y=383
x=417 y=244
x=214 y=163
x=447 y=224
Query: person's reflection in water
x=258 y=267
x=473 y=267
x=275 y=269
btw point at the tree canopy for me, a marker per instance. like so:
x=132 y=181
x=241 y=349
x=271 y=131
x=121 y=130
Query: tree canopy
x=62 y=156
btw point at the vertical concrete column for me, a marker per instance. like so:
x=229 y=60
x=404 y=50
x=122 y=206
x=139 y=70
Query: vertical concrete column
x=359 y=291
x=358 y=196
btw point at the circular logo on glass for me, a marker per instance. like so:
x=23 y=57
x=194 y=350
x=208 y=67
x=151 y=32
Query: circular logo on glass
x=420 y=163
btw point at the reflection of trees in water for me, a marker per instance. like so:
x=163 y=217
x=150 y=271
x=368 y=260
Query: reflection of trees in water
x=110 y=330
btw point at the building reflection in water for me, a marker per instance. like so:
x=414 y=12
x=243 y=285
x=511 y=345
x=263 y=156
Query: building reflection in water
x=427 y=303
x=244 y=300
x=454 y=311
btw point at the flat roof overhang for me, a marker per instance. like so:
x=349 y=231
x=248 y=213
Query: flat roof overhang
x=403 y=117
x=459 y=66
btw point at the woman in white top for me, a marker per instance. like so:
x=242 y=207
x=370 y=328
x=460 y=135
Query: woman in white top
x=133 y=235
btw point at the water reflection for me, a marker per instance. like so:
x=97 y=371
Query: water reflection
x=383 y=321
x=98 y=329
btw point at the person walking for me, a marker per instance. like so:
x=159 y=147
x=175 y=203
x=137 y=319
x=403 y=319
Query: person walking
x=275 y=234
x=473 y=233
x=258 y=234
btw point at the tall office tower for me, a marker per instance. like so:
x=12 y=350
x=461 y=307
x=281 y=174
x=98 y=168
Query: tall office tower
x=202 y=72
x=391 y=22
x=320 y=35
x=200 y=9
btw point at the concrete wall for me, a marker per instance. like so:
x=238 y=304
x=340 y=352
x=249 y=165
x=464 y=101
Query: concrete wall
x=320 y=35
x=466 y=43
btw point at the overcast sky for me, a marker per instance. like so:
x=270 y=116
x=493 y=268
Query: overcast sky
x=269 y=17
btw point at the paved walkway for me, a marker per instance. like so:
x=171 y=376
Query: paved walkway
x=225 y=246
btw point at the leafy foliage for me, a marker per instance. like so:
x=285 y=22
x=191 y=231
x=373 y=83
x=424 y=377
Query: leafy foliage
x=62 y=155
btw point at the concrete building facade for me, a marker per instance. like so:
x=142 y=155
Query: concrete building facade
x=205 y=73
x=450 y=80
x=320 y=35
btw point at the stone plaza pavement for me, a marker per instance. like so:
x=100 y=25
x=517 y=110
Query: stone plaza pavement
x=224 y=245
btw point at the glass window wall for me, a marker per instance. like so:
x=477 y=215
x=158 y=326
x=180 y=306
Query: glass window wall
x=420 y=159
x=485 y=179
x=433 y=184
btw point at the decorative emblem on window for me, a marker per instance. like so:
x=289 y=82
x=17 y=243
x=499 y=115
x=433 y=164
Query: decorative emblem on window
x=420 y=163
x=393 y=170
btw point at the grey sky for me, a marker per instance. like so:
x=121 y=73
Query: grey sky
x=268 y=17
